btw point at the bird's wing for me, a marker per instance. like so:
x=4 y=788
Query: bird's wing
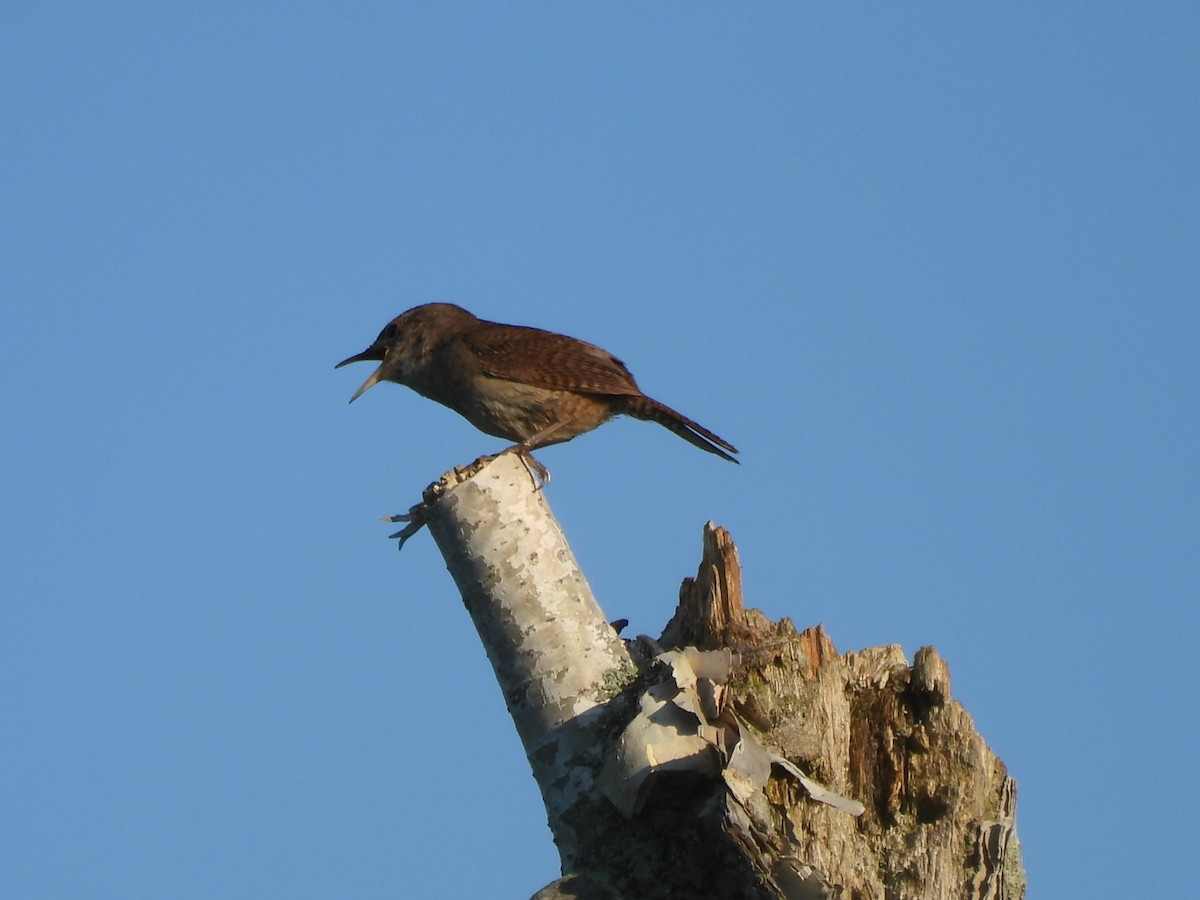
x=548 y=360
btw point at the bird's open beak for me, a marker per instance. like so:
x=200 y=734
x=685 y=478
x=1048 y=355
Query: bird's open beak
x=372 y=354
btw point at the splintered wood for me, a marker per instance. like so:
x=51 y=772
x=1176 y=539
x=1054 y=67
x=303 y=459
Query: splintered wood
x=940 y=806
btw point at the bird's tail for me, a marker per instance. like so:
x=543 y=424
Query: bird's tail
x=642 y=407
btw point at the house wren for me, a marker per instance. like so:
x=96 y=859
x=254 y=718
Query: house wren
x=525 y=385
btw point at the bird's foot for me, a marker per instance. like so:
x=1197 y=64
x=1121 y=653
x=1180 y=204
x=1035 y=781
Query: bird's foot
x=539 y=473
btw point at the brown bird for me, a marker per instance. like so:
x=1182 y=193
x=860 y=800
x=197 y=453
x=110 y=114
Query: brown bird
x=525 y=385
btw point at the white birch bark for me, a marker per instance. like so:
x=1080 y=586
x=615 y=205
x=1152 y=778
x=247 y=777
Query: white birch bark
x=555 y=656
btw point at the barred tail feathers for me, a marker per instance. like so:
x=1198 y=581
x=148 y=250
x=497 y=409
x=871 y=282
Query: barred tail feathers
x=642 y=407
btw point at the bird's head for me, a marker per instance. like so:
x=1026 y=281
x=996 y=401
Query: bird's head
x=407 y=342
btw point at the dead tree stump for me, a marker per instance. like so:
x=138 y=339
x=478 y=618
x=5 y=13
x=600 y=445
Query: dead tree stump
x=733 y=757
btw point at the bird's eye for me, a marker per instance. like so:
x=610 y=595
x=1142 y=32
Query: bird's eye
x=388 y=333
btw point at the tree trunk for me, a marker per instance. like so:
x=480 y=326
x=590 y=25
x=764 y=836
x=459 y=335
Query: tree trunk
x=733 y=757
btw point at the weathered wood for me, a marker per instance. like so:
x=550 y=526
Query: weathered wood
x=940 y=807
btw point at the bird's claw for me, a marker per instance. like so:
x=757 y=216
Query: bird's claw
x=539 y=473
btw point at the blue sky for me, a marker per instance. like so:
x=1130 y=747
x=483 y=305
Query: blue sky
x=932 y=268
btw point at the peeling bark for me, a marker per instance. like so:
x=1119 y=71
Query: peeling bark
x=940 y=817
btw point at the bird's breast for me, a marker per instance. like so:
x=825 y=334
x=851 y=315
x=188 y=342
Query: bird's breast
x=517 y=411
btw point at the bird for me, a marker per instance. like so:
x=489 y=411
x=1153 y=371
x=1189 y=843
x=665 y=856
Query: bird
x=533 y=387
